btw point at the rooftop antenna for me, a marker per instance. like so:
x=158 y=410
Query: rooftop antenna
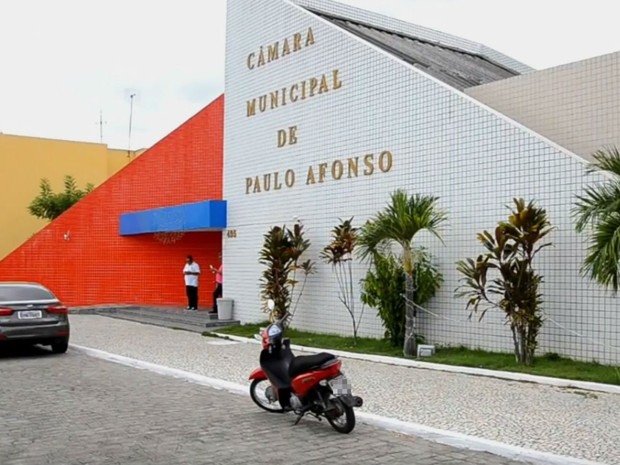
x=101 y=123
x=131 y=96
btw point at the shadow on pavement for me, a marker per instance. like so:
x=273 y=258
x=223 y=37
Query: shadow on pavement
x=10 y=350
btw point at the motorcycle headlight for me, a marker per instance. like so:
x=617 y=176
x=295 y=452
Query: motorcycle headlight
x=274 y=331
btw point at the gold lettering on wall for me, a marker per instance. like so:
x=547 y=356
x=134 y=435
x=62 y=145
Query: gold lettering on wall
x=313 y=85
x=303 y=90
x=362 y=166
x=297 y=42
x=368 y=162
x=309 y=37
x=324 y=85
x=274 y=99
x=273 y=52
x=323 y=172
x=337 y=169
x=276 y=50
x=287 y=137
x=354 y=164
x=385 y=161
x=337 y=83
x=251 y=107
x=289 y=178
x=294 y=92
x=261 y=57
x=277 y=185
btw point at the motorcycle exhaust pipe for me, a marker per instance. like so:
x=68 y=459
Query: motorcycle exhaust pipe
x=353 y=401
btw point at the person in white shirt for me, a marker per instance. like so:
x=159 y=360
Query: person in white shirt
x=191 y=272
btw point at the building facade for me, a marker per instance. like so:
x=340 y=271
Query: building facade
x=26 y=160
x=126 y=242
x=575 y=105
x=330 y=109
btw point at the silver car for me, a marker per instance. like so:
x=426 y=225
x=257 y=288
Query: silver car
x=31 y=313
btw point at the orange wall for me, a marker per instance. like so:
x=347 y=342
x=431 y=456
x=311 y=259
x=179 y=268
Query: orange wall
x=96 y=265
x=118 y=158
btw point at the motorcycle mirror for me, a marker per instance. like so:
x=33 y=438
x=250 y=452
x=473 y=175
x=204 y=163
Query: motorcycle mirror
x=271 y=304
x=284 y=319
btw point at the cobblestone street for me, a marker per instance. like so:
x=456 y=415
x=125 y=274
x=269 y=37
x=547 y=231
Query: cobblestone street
x=76 y=410
x=561 y=421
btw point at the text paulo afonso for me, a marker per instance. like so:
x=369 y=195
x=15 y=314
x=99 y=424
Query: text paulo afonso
x=364 y=165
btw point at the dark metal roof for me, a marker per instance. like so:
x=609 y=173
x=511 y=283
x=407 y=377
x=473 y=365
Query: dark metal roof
x=455 y=67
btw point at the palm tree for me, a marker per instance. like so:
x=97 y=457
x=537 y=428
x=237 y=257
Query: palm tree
x=599 y=207
x=399 y=222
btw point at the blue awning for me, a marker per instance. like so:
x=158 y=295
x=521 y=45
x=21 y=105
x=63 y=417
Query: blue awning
x=209 y=215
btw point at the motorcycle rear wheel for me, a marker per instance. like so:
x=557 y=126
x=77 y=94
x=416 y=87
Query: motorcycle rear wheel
x=265 y=406
x=345 y=423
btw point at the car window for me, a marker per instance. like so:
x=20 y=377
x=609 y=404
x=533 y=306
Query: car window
x=19 y=293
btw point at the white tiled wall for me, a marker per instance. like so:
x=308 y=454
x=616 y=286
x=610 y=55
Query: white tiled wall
x=443 y=143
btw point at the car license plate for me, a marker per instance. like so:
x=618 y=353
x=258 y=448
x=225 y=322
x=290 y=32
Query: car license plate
x=29 y=314
x=340 y=385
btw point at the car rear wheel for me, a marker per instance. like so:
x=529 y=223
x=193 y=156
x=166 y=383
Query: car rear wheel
x=60 y=346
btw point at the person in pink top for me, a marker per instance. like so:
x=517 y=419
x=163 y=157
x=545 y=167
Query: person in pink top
x=219 y=281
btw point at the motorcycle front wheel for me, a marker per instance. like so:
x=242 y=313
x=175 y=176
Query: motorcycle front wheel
x=345 y=422
x=259 y=396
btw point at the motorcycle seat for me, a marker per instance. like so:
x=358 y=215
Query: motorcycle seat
x=305 y=363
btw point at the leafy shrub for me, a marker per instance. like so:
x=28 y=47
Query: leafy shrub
x=339 y=254
x=281 y=254
x=49 y=206
x=384 y=286
x=510 y=252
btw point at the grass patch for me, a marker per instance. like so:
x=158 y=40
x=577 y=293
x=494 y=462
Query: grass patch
x=323 y=341
x=551 y=365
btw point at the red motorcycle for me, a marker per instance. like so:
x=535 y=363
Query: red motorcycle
x=313 y=384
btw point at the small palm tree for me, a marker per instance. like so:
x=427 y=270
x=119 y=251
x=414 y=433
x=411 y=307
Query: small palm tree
x=339 y=254
x=403 y=218
x=599 y=207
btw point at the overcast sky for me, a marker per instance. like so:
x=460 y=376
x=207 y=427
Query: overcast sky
x=62 y=61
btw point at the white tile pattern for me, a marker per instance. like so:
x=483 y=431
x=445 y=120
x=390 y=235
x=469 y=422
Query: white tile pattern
x=443 y=143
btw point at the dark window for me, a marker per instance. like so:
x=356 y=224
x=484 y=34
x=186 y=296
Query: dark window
x=10 y=293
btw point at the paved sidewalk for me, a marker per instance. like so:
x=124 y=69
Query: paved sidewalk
x=74 y=409
x=549 y=419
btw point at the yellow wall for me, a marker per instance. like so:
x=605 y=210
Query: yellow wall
x=25 y=160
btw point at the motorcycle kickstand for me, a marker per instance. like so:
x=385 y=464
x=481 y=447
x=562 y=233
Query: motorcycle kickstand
x=299 y=417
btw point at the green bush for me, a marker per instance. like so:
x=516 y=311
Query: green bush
x=384 y=289
x=504 y=277
x=281 y=256
x=49 y=205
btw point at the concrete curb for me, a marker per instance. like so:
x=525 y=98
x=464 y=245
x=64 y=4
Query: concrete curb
x=506 y=375
x=450 y=438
